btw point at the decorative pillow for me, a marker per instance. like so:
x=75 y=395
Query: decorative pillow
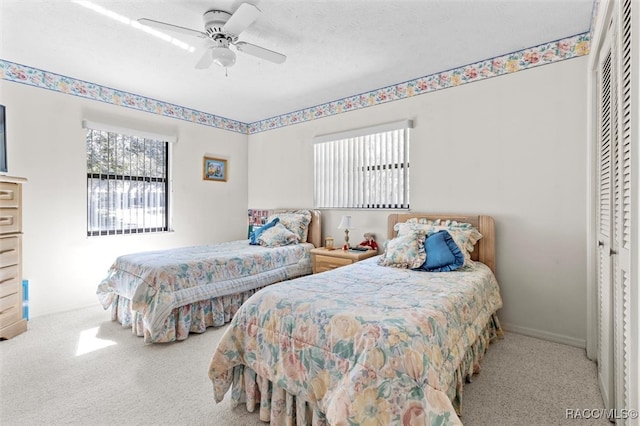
x=277 y=235
x=404 y=228
x=466 y=239
x=443 y=254
x=464 y=234
x=253 y=239
x=295 y=221
x=405 y=251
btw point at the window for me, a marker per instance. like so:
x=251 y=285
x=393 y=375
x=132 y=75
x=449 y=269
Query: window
x=363 y=169
x=127 y=183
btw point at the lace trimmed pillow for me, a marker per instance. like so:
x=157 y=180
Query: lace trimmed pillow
x=255 y=234
x=295 y=221
x=277 y=236
x=405 y=251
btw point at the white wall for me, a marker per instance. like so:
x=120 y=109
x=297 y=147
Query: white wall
x=513 y=147
x=46 y=144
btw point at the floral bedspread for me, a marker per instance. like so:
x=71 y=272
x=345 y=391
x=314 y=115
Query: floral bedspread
x=364 y=344
x=158 y=281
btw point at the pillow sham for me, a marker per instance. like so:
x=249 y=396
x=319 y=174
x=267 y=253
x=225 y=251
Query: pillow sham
x=443 y=254
x=295 y=221
x=405 y=251
x=253 y=239
x=276 y=236
x=439 y=222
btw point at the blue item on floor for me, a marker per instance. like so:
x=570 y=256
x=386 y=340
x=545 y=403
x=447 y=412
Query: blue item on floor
x=25 y=299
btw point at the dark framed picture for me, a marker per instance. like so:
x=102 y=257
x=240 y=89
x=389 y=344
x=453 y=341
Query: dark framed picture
x=216 y=169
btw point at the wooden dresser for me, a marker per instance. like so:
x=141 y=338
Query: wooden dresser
x=11 y=321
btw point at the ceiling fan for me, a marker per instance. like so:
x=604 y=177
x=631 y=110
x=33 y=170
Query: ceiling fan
x=221 y=30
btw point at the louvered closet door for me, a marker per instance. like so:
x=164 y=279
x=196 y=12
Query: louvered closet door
x=605 y=147
x=626 y=372
x=617 y=216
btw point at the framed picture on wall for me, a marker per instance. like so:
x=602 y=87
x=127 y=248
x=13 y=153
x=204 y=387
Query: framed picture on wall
x=215 y=169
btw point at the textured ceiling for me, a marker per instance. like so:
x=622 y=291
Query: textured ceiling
x=334 y=48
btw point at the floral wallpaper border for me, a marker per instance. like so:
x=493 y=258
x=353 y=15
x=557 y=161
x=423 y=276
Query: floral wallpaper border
x=554 y=51
x=543 y=54
x=63 y=84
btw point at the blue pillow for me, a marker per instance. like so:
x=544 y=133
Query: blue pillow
x=443 y=254
x=253 y=239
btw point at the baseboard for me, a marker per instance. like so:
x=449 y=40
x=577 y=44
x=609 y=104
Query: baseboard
x=545 y=335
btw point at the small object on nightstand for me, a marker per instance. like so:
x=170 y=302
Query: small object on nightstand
x=328 y=243
x=346 y=224
x=369 y=242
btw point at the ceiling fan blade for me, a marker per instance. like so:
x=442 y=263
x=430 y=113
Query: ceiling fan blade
x=171 y=27
x=241 y=19
x=205 y=60
x=260 y=52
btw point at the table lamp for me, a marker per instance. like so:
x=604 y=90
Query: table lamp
x=345 y=224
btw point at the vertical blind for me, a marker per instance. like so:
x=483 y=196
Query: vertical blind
x=364 y=168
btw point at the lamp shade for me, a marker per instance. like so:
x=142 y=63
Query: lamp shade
x=346 y=223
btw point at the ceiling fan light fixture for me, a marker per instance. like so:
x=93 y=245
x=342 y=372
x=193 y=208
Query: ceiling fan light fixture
x=223 y=56
x=221 y=31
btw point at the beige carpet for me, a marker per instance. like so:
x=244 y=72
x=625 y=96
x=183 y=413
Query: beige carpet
x=54 y=374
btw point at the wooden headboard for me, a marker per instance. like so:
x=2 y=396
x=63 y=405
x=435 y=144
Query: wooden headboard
x=315 y=227
x=485 y=249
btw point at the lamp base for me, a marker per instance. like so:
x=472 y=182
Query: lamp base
x=346 y=240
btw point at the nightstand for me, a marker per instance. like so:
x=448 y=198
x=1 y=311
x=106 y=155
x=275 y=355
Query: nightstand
x=325 y=260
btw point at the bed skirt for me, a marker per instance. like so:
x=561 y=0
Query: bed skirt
x=283 y=409
x=192 y=318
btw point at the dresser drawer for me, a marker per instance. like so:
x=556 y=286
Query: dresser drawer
x=9 y=280
x=9 y=195
x=10 y=309
x=9 y=220
x=9 y=250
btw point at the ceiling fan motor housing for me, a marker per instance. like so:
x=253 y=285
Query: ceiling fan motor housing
x=214 y=20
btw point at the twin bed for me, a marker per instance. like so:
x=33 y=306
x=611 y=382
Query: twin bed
x=376 y=342
x=164 y=295
x=366 y=343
